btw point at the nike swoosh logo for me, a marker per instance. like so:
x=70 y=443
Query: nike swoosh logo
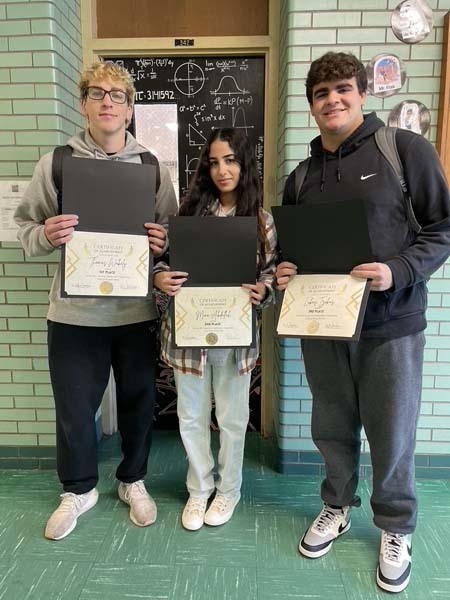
x=342 y=527
x=363 y=177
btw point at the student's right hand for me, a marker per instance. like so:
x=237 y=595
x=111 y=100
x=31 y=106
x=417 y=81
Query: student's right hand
x=170 y=282
x=59 y=230
x=285 y=272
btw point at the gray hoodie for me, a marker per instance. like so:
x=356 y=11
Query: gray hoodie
x=40 y=202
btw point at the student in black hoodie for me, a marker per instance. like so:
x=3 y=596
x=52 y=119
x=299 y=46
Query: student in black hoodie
x=374 y=383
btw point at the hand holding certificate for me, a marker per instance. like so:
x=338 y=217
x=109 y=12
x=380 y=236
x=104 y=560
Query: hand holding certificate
x=212 y=309
x=326 y=241
x=108 y=254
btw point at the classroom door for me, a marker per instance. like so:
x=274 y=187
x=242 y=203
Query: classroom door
x=178 y=101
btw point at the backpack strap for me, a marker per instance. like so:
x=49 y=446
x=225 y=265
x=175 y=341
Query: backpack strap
x=300 y=173
x=387 y=145
x=148 y=158
x=385 y=139
x=59 y=153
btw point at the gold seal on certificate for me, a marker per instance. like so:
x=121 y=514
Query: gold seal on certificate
x=219 y=317
x=105 y=288
x=106 y=264
x=212 y=339
x=323 y=306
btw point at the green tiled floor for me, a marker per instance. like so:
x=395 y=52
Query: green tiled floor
x=253 y=557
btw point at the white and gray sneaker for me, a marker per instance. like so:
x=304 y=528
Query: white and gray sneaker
x=329 y=524
x=143 y=509
x=394 y=565
x=64 y=519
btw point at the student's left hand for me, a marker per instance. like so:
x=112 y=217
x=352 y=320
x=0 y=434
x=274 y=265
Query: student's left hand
x=379 y=273
x=156 y=238
x=257 y=291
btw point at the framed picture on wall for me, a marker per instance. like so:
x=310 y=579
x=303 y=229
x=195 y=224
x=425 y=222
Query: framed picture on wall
x=412 y=115
x=386 y=74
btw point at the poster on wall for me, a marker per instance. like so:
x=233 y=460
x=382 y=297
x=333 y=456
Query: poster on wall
x=11 y=193
x=411 y=115
x=386 y=74
x=412 y=21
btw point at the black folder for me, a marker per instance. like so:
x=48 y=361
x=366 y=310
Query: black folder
x=328 y=237
x=215 y=251
x=109 y=195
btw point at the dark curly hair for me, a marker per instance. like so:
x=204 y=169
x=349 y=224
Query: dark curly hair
x=334 y=66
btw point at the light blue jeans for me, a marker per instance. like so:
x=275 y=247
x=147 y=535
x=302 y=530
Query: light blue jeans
x=231 y=392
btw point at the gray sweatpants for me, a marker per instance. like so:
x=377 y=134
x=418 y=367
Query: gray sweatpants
x=375 y=383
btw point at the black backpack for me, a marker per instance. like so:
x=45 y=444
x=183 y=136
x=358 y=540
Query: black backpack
x=387 y=145
x=62 y=152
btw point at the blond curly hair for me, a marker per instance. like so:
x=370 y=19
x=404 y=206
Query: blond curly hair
x=101 y=70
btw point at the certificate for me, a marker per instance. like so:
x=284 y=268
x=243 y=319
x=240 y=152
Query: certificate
x=109 y=252
x=324 y=306
x=106 y=264
x=212 y=317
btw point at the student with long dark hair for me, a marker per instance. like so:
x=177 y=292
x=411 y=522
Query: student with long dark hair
x=226 y=184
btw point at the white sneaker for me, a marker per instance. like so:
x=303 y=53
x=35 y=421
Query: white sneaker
x=194 y=513
x=64 y=519
x=142 y=506
x=329 y=524
x=394 y=565
x=221 y=510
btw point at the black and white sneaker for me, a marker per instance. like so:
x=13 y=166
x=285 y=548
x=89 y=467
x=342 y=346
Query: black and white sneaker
x=328 y=525
x=394 y=565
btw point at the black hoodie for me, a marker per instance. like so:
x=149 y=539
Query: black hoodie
x=357 y=170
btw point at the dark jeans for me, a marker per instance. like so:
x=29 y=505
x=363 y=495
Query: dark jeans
x=80 y=359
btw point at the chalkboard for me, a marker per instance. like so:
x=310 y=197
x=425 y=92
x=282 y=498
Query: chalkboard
x=209 y=92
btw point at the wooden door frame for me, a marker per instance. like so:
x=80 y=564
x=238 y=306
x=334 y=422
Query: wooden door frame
x=443 y=128
x=267 y=46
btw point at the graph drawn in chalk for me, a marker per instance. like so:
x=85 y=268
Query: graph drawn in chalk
x=191 y=166
x=195 y=137
x=228 y=86
x=189 y=79
x=239 y=120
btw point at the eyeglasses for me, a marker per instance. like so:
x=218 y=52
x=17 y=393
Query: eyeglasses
x=98 y=93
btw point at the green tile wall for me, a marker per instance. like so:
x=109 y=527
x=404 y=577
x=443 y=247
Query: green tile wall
x=40 y=59
x=308 y=30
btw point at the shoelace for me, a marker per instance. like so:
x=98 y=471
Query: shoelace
x=196 y=506
x=221 y=503
x=392 y=545
x=70 y=502
x=326 y=519
x=135 y=491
